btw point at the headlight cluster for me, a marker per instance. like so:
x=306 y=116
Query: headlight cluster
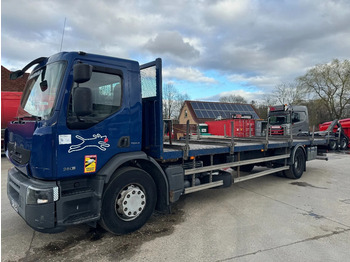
x=41 y=195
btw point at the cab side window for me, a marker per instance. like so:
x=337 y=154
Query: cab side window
x=295 y=117
x=106 y=90
x=299 y=117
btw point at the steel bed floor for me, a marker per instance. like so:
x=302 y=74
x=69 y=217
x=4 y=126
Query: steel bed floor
x=210 y=146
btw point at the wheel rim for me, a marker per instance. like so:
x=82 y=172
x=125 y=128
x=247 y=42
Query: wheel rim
x=333 y=145
x=298 y=163
x=130 y=202
x=343 y=144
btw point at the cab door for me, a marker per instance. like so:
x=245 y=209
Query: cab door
x=300 y=123
x=89 y=139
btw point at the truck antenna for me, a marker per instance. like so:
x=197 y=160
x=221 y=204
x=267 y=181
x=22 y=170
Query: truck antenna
x=64 y=27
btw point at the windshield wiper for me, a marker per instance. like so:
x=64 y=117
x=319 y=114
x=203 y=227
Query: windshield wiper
x=38 y=118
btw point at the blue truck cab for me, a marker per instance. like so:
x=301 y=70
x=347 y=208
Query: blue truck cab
x=78 y=139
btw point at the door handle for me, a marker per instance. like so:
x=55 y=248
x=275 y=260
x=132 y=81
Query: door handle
x=124 y=141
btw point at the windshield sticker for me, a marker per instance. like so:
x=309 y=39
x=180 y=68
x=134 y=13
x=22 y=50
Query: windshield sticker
x=90 y=163
x=101 y=142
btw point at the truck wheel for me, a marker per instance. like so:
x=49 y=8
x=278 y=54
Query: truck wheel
x=128 y=201
x=333 y=145
x=296 y=170
x=343 y=143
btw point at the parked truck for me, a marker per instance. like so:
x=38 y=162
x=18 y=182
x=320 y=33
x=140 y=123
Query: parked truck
x=88 y=147
x=285 y=119
x=339 y=129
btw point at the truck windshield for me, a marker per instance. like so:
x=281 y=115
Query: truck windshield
x=39 y=95
x=279 y=119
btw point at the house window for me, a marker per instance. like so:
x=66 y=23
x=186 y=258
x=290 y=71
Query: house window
x=185 y=113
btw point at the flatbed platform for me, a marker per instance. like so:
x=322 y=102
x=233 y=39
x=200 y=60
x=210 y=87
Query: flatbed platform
x=209 y=146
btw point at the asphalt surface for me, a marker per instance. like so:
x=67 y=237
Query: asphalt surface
x=266 y=219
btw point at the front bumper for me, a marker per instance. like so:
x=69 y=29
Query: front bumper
x=34 y=200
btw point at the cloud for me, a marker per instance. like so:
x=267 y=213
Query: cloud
x=187 y=74
x=254 y=42
x=257 y=96
x=172 y=43
x=261 y=81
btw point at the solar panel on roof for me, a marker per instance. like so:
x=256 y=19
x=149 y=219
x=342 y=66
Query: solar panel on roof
x=199 y=114
x=194 y=105
x=197 y=111
x=211 y=114
x=225 y=110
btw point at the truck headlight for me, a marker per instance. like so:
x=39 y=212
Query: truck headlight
x=41 y=195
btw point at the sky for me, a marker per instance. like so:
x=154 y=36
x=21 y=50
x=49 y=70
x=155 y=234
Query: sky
x=209 y=48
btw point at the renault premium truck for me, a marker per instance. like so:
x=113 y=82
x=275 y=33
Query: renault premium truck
x=88 y=147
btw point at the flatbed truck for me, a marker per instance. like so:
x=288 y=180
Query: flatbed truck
x=88 y=147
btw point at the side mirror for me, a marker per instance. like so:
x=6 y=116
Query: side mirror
x=16 y=74
x=82 y=72
x=82 y=101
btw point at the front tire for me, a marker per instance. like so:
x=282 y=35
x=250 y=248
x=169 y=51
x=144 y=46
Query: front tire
x=128 y=201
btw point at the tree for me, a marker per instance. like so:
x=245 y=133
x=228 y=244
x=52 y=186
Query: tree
x=172 y=101
x=262 y=106
x=233 y=99
x=288 y=93
x=317 y=112
x=330 y=83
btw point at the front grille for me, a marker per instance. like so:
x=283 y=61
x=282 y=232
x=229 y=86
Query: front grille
x=276 y=131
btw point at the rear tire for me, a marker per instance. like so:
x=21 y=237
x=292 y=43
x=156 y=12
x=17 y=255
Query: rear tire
x=128 y=201
x=343 y=143
x=333 y=145
x=296 y=170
